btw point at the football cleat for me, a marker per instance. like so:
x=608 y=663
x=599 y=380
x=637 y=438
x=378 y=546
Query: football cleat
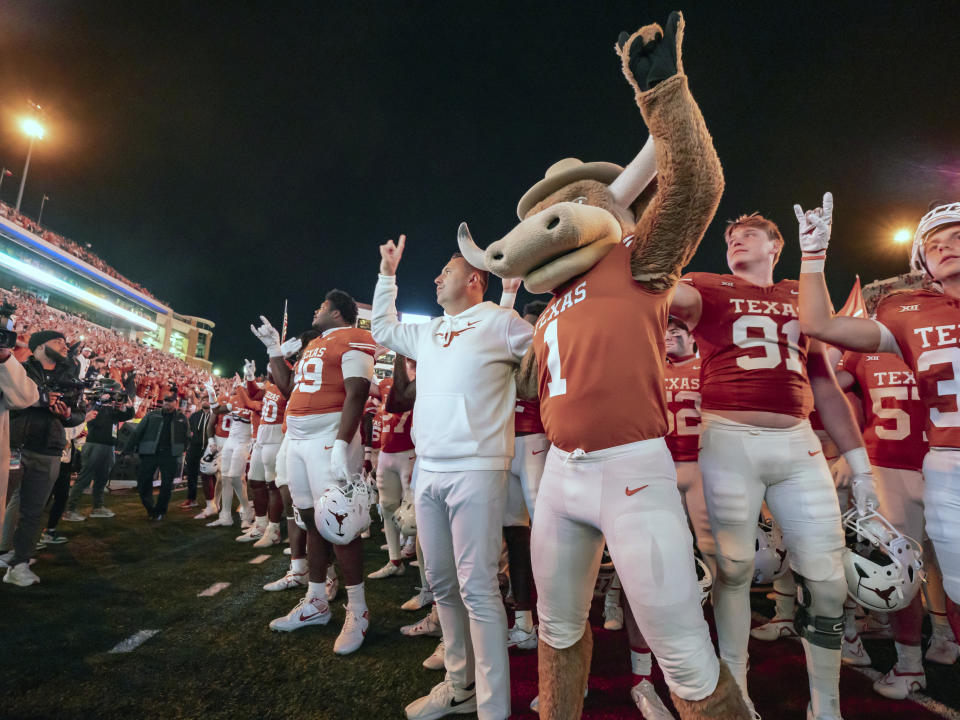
x=423 y=598
x=613 y=617
x=651 y=707
x=221 y=522
x=20 y=575
x=444 y=699
x=522 y=639
x=102 y=512
x=436 y=660
x=852 y=652
x=777 y=628
x=309 y=611
x=208 y=512
x=288 y=581
x=270 y=537
x=942 y=650
x=72 y=516
x=254 y=532
x=429 y=625
x=353 y=632
x=388 y=570
x=897 y=685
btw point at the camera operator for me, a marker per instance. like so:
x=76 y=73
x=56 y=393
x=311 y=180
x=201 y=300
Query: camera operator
x=16 y=391
x=160 y=439
x=38 y=431
x=109 y=408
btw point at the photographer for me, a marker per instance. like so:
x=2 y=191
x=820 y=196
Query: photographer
x=110 y=408
x=38 y=431
x=160 y=439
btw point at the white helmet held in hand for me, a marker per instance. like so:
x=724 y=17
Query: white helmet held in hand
x=342 y=513
x=770 y=562
x=405 y=516
x=210 y=462
x=883 y=567
x=704 y=578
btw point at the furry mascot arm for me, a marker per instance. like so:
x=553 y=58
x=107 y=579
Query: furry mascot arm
x=689 y=176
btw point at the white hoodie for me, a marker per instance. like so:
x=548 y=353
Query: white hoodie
x=463 y=416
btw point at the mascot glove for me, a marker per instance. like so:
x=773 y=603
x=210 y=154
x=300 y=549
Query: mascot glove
x=864 y=495
x=339 y=466
x=652 y=58
x=291 y=347
x=249 y=370
x=815 y=226
x=268 y=335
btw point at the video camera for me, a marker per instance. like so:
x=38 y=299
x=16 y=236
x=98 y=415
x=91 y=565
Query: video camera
x=95 y=390
x=8 y=337
x=70 y=389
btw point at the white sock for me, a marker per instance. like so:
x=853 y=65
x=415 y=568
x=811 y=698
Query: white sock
x=260 y=522
x=524 y=620
x=909 y=658
x=298 y=565
x=273 y=527
x=641 y=662
x=316 y=590
x=823 y=672
x=613 y=594
x=331 y=572
x=356 y=600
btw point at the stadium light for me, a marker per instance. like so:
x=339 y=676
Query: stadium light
x=902 y=236
x=41 y=277
x=34 y=130
x=216 y=371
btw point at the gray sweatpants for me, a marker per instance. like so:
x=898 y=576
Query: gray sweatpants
x=38 y=478
x=97 y=461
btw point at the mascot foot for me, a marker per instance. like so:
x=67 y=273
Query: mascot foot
x=724 y=703
x=563 y=678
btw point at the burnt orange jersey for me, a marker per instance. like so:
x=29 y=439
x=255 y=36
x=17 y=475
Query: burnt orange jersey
x=375 y=428
x=682 y=383
x=274 y=405
x=895 y=417
x=318 y=379
x=753 y=355
x=222 y=428
x=526 y=418
x=924 y=322
x=601 y=333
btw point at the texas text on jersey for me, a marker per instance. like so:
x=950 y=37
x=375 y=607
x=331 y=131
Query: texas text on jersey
x=754 y=356
x=318 y=381
x=274 y=405
x=682 y=380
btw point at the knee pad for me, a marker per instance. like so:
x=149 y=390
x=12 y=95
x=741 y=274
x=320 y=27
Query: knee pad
x=820 y=630
x=734 y=572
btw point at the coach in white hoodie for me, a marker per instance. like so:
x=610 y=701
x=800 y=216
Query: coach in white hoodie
x=463 y=428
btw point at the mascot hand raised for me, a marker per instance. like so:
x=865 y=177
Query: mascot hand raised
x=651 y=55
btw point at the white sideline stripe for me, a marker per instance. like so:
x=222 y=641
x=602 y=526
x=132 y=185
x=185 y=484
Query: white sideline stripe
x=928 y=703
x=134 y=641
x=213 y=589
x=259 y=559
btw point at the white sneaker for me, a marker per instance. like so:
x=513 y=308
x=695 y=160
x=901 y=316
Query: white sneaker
x=208 y=512
x=290 y=580
x=613 y=617
x=522 y=639
x=874 y=626
x=247 y=523
x=778 y=627
x=443 y=700
x=331 y=587
x=852 y=652
x=254 y=532
x=269 y=538
x=354 y=631
x=645 y=696
x=897 y=685
x=942 y=651
x=20 y=575
x=429 y=625
x=72 y=516
x=6 y=558
x=286 y=550
x=384 y=547
x=387 y=570
x=102 y=512
x=221 y=522
x=435 y=661
x=423 y=598
x=309 y=611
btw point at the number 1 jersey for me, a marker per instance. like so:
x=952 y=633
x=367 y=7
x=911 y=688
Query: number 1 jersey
x=753 y=355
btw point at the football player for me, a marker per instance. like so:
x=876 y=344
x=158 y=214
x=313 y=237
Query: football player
x=233 y=460
x=331 y=384
x=760 y=379
x=918 y=326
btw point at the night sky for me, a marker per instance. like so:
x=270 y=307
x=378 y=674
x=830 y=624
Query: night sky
x=230 y=155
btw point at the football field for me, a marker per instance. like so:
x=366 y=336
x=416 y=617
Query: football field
x=136 y=620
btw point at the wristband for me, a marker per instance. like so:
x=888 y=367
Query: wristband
x=858 y=461
x=813 y=262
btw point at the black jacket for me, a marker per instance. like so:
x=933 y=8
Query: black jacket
x=38 y=428
x=102 y=428
x=147 y=436
x=198 y=431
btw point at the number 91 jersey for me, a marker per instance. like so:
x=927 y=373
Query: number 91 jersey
x=753 y=355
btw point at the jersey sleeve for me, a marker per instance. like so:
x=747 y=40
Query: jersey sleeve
x=357 y=363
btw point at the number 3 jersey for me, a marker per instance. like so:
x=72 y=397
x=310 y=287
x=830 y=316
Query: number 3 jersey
x=601 y=337
x=924 y=324
x=753 y=354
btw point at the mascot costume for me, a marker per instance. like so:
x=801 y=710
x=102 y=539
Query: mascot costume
x=610 y=244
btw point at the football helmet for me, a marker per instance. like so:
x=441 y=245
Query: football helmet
x=704 y=578
x=342 y=513
x=210 y=462
x=770 y=562
x=939 y=216
x=405 y=516
x=883 y=567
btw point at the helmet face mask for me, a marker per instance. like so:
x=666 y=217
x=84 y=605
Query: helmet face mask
x=770 y=561
x=210 y=462
x=704 y=578
x=405 y=517
x=342 y=513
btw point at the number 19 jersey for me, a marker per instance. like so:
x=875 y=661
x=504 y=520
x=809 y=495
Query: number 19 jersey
x=318 y=381
x=601 y=336
x=753 y=355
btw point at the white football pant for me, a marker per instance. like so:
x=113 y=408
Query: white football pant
x=941 y=502
x=308 y=466
x=233 y=460
x=459 y=520
x=628 y=494
x=690 y=485
x=281 y=463
x=393 y=478
x=526 y=469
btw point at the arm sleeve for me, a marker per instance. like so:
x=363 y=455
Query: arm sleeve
x=356 y=363
x=387 y=330
x=508 y=299
x=888 y=343
x=519 y=336
x=19 y=391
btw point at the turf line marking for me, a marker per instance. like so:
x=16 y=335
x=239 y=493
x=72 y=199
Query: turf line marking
x=213 y=589
x=134 y=641
x=259 y=559
x=928 y=703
